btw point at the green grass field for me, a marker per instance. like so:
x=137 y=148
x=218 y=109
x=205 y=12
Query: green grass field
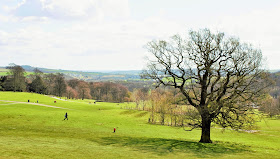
x=28 y=130
x=4 y=72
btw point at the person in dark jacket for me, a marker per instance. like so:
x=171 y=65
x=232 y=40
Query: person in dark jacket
x=66 y=116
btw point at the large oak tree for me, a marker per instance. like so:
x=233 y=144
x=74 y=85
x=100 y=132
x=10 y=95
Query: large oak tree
x=218 y=75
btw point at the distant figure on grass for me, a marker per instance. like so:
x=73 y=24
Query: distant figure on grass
x=37 y=101
x=28 y=100
x=66 y=116
x=114 y=130
x=54 y=101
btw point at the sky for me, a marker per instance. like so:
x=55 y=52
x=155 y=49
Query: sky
x=112 y=34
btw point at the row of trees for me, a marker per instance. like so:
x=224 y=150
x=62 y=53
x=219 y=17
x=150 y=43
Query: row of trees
x=38 y=82
x=167 y=107
x=108 y=91
x=100 y=91
x=55 y=84
x=270 y=106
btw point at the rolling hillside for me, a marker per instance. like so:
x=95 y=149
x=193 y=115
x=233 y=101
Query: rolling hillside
x=87 y=76
x=37 y=130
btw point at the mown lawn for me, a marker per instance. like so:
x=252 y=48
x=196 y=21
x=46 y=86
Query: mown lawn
x=36 y=131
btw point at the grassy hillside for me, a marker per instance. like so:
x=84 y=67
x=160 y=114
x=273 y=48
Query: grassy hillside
x=31 y=130
x=4 y=72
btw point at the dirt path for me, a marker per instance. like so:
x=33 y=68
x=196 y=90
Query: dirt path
x=68 y=100
x=44 y=105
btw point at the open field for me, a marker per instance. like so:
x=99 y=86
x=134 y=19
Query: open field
x=31 y=130
x=4 y=72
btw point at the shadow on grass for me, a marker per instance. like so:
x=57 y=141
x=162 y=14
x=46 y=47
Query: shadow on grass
x=141 y=114
x=161 y=146
x=128 y=112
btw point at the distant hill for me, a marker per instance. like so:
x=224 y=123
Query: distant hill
x=94 y=75
x=87 y=75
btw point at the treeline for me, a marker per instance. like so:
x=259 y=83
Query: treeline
x=167 y=106
x=56 y=84
x=270 y=106
x=271 y=103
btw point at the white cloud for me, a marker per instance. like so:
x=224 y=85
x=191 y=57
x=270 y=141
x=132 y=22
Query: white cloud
x=86 y=8
x=68 y=8
x=15 y=7
x=8 y=18
x=260 y=28
x=101 y=34
x=34 y=19
x=109 y=44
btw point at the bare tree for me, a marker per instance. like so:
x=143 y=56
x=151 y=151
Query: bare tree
x=270 y=106
x=140 y=97
x=59 y=84
x=108 y=91
x=161 y=102
x=73 y=83
x=49 y=80
x=83 y=90
x=37 y=85
x=16 y=73
x=218 y=75
x=71 y=93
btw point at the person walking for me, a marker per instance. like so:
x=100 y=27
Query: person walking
x=66 y=116
x=114 y=130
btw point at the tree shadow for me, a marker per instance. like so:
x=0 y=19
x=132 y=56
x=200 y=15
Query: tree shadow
x=128 y=112
x=163 y=147
x=141 y=114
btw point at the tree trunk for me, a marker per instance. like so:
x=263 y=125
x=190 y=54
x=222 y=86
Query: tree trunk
x=205 y=133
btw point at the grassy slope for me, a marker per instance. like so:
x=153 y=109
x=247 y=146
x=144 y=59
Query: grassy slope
x=31 y=131
x=5 y=73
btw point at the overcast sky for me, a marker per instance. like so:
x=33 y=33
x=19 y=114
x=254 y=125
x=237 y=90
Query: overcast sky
x=111 y=34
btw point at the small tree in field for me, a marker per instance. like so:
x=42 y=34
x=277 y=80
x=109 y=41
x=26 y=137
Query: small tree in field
x=161 y=104
x=219 y=76
x=140 y=97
